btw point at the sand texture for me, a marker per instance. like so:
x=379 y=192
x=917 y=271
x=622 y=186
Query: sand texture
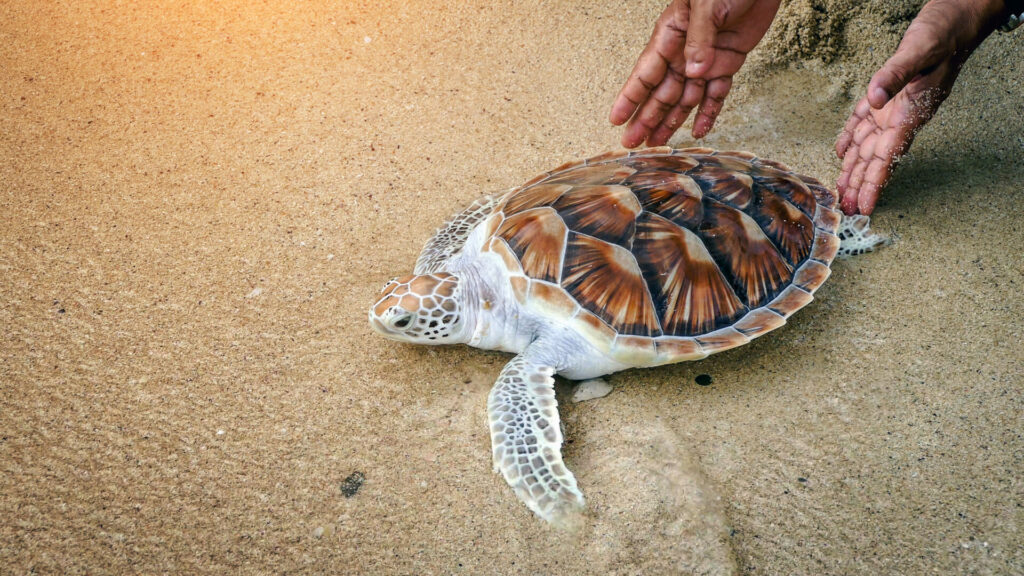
x=200 y=200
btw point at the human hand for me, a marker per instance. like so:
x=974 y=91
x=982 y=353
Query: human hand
x=904 y=95
x=696 y=48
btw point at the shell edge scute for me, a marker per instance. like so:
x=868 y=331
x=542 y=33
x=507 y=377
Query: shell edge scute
x=759 y=322
x=722 y=339
x=790 y=300
x=634 y=350
x=825 y=247
x=811 y=275
x=826 y=219
x=551 y=300
x=593 y=329
x=672 y=349
x=606 y=157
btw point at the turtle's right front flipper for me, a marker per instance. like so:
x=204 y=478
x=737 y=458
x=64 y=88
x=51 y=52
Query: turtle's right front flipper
x=527 y=442
x=451 y=237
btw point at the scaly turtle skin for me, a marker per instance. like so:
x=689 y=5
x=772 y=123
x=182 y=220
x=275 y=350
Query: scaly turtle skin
x=624 y=260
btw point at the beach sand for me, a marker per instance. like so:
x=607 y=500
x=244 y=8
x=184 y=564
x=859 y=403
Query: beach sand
x=201 y=200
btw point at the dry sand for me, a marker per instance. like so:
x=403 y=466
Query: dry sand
x=200 y=201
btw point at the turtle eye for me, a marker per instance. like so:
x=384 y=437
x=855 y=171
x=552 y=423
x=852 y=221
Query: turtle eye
x=402 y=321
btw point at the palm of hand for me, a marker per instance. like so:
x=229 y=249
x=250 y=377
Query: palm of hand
x=873 y=140
x=688 y=62
x=921 y=74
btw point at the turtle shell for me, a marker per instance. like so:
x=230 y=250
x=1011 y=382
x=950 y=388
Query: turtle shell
x=661 y=255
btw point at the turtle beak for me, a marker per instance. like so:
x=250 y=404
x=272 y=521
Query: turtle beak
x=378 y=326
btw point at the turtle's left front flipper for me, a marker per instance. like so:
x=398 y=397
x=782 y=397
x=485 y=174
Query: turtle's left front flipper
x=527 y=442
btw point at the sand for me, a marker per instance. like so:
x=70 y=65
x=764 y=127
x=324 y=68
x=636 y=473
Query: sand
x=201 y=200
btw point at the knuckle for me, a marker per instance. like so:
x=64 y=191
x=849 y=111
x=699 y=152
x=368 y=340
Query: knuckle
x=661 y=105
x=647 y=84
x=719 y=14
x=899 y=72
x=674 y=74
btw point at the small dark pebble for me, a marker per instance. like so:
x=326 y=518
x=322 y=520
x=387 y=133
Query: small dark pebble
x=61 y=311
x=350 y=485
x=801 y=479
x=703 y=379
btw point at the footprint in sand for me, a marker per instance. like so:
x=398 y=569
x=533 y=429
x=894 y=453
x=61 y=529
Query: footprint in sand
x=651 y=509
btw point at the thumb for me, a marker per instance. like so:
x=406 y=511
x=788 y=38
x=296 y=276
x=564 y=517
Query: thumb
x=918 y=51
x=706 y=17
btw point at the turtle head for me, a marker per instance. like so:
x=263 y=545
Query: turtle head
x=422 y=309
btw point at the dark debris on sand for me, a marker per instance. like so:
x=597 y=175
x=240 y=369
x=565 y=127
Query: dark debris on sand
x=350 y=485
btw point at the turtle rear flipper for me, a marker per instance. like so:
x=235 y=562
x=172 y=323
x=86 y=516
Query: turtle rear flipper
x=856 y=236
x=527 y=442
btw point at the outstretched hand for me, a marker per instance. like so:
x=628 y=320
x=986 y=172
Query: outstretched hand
x=904 y=94
x=696 y=48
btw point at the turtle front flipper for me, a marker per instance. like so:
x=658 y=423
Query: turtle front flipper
x=527 y=443
x=450 y=238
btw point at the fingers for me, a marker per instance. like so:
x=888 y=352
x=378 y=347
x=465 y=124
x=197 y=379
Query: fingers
x=859 y=168
x=646 y=75
x=640 y=128
x=860 y=111
x=714 y=98
x=659 y=120
x=669 y=79
x=868 y=179
x=668 y=127
x=693 y=91
x=847 y=187
x=886 y=147
x=874 y=146
x=867 y=197
x=706 y=18
x=664 y=48
x=858 y=140
x=848 y=195
x=654 y=111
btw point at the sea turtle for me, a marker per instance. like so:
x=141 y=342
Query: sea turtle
x=623 y=260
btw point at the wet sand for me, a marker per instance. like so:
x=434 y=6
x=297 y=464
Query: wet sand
x=200 y=201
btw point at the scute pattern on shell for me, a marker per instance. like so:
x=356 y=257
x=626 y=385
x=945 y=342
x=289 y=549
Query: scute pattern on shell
x=537 y=236
x=675 y=243
x=692 y=294
x=606 y=279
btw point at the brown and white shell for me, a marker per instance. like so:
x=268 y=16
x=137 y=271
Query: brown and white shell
x=662 y=255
